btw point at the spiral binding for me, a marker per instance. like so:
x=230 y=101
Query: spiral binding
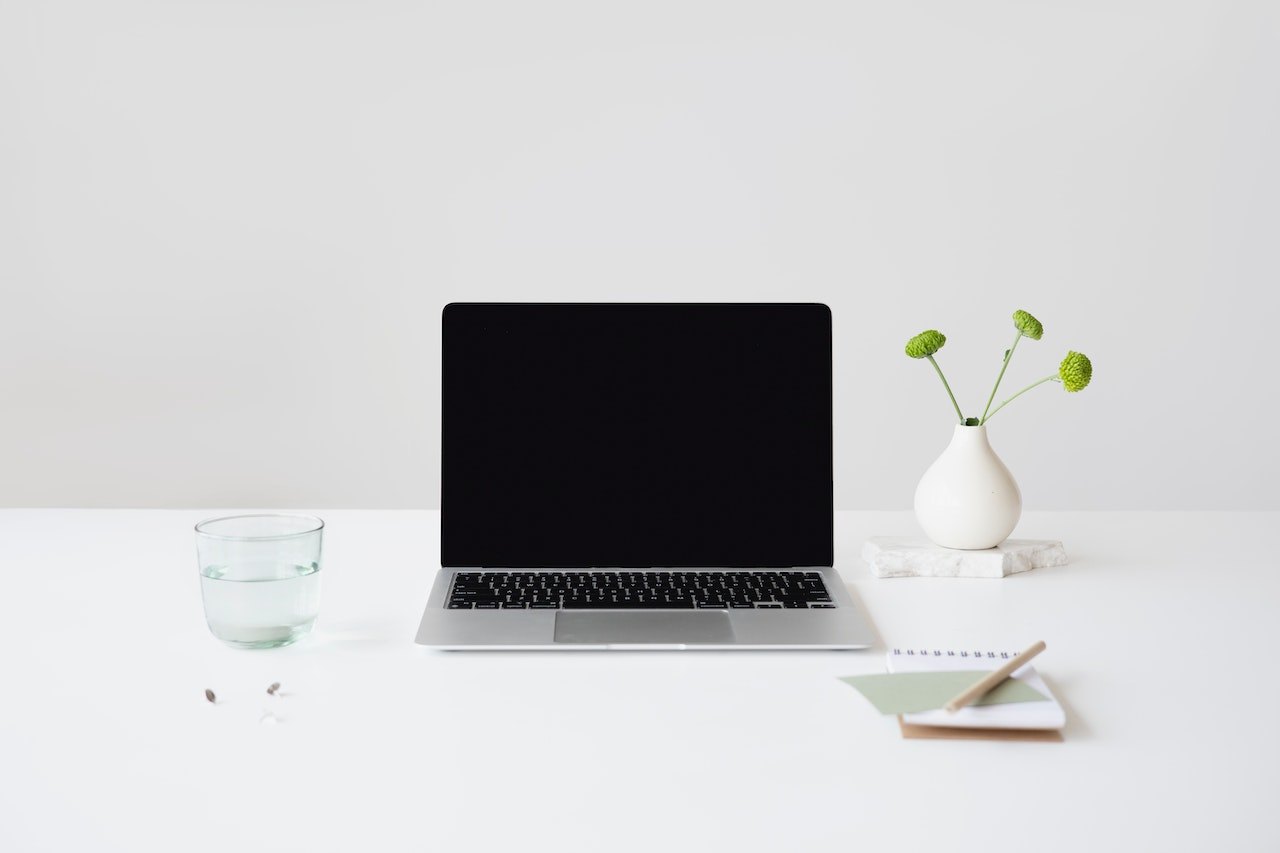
x=937 y=653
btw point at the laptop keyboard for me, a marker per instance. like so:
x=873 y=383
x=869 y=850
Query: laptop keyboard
x=637 y=590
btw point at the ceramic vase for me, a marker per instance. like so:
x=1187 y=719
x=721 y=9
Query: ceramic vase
x=968 y=499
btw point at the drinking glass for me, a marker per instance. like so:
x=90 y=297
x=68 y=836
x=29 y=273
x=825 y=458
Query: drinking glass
x=260 y=577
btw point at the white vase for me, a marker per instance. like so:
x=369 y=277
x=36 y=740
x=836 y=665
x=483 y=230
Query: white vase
x=968 y=499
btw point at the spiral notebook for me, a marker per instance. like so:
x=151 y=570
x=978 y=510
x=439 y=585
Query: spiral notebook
x=1021 y=720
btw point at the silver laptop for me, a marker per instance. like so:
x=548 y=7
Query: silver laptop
x=638 y=476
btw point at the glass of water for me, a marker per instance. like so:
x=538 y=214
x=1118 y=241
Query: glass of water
x=260 y=577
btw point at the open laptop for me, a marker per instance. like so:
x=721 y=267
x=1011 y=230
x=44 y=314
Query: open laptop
x=637 y=476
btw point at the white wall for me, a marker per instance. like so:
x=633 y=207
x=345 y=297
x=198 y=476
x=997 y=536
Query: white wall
x=227 y=228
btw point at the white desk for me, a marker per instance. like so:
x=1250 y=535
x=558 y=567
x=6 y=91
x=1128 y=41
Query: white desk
x=1161 y=641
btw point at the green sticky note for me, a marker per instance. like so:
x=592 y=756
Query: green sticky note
x=910 y=692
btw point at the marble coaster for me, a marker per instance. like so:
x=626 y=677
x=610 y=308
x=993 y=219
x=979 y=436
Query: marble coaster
x=901 y=557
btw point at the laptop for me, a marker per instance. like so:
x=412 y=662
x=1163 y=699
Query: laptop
x=637 y=476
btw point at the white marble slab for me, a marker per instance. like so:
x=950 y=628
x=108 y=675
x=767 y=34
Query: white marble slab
x=901 y=557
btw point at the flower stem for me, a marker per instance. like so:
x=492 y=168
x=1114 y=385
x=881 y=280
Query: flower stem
x=1052 y=376
x=948 y=387
x=1008 y=356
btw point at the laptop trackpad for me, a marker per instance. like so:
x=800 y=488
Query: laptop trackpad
x=662 y=627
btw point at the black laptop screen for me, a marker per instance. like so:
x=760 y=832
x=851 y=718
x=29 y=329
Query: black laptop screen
x=636 y=435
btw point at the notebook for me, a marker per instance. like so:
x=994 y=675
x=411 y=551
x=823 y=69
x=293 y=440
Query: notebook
x=1018 y=715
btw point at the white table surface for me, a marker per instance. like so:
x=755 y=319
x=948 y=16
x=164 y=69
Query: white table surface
x=1162 y=646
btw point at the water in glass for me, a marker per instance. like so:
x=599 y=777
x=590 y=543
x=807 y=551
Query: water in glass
x=260 y=604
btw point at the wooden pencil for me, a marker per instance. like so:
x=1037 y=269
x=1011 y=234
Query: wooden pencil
x=985 y=686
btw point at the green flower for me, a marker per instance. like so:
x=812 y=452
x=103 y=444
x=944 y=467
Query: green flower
x=1075 y=371
x=926 y=343
x=1028 y=325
